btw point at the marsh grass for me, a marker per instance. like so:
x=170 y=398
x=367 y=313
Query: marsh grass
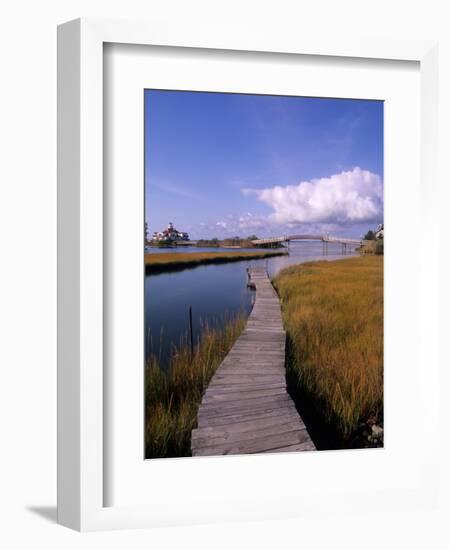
x=172 y=398
x=167 y=261
x=333 y=314
x=372 y=247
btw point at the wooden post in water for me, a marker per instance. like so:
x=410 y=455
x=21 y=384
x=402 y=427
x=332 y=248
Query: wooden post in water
x=191 y=330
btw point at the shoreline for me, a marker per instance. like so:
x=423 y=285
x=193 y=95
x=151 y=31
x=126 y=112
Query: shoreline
x=158 y=263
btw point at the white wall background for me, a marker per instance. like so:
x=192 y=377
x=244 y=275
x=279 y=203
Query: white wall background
x=28 y=269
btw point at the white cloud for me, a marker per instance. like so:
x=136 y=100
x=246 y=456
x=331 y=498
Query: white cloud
x=349 y=197
x=231 y=225
x=250 y=221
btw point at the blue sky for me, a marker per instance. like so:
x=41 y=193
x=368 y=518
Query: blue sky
x=220 y=165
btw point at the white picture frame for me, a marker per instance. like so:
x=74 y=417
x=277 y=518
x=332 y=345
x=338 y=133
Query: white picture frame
x=81 y=490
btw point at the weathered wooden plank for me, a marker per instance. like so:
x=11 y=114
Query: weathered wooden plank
x=210 y=439
x=264 y=342
x=252 y=371
x=262 y=375
x=244 y=379
x=272 y=367
x=257 y=445
x=251 y=425
x=260 y=358
x=260 y=337
x=264 y=368
x=306 y=446
x=238 y=388
x=235 y=420
x=246 y=352
x=239 y=361
x=205 y=415
x=262 y=347
x=212 y=397
x=236 y=407
x=248 y=403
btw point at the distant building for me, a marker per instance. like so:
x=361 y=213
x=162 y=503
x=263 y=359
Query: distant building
x=380 y=231
x=170 y=234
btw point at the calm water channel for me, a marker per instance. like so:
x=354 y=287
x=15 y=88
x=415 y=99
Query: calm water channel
x=215 y=292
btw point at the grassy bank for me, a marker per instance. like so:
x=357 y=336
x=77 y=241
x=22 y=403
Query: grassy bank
x=241 y=243
x=172 y=399
x=333 y=313
x=372 y=247
x=178 y=260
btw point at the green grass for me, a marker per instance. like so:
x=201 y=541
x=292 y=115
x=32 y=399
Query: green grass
x=333 y=314
x=178 y=260
x=172 y=399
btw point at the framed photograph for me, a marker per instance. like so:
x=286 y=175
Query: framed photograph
x=242 y=225
x=227 y=369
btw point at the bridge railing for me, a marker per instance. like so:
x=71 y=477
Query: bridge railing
x=324 y=238
x=270 y=240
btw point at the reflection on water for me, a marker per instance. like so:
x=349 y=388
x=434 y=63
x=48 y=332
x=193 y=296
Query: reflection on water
x=215 y=292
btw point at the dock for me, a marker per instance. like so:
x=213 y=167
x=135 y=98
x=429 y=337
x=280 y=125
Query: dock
x=246 y=408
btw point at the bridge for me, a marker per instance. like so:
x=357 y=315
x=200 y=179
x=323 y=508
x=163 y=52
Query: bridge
x=246 y=407
x=325 y=239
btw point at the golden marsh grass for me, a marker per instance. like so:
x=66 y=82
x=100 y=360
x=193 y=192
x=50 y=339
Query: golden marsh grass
x=172 y=399
x=333 y=314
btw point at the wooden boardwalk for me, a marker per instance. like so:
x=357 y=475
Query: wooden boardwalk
x=246 y=408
